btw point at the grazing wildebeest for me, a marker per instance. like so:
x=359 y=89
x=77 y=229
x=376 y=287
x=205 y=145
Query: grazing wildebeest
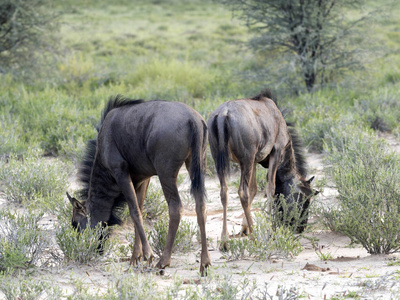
x=250 y=132
x=137 y=140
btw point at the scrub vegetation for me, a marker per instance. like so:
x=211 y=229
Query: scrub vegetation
x=194 y=52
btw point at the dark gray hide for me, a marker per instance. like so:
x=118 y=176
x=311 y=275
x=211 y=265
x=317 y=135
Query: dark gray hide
x=137 y=140
x=250 y=132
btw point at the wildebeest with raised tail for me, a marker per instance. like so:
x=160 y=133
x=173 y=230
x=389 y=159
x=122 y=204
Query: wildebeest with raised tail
x=136 y=140
x=250 y=132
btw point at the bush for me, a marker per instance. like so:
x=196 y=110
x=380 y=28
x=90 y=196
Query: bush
x=34 y=181
x=85 y=246
x=293 y=215
x=154 y=204
x=380 y=110
x=266 y=242
x=367 y=177
x=10 y=136
x=48 y=118
x=29 y=289
x=22 y=242
x=183 y=240
x=27 y=32
x=172 y=80
x=132 y=286
x=261 y=178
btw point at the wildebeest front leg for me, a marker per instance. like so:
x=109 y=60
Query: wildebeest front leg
x=274 y=159
x=175 y=210
x=124 y=182
x=137 y=252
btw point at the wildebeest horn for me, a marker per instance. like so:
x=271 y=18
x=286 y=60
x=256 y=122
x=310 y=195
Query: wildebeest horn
x=75 y=203
x=310 y=180
x=72 y=200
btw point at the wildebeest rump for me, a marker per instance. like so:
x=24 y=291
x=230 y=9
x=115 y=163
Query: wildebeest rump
x=250 y=132
x=137 y=140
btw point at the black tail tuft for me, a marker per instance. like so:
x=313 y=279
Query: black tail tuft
x=198 y=164
x=221 y=148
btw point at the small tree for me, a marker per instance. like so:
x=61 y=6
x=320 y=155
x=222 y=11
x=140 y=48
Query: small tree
x=27 y=32
x=313 y=35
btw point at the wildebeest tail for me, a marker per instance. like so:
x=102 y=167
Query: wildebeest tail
x=220 y=131
x=198 y=163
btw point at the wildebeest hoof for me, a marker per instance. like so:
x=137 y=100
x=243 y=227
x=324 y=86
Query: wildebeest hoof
x=161 y=272
x=224 y=247
x=204 y=269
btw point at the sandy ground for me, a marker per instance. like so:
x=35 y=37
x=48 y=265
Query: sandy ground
x=351 y=271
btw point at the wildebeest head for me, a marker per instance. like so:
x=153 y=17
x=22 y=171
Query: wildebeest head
x=296 y=195
x=79 y=213
x=303 y=191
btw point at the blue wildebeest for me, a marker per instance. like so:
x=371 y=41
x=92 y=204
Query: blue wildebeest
x=137 y=140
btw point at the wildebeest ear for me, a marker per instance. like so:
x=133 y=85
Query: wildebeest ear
x=310 y=180
x=75 y=203
x=306 y=190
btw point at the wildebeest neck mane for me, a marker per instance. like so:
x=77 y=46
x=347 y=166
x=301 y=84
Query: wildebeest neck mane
x=266 y=93
x=299 y=152
x=115 y=102
x=86 y=165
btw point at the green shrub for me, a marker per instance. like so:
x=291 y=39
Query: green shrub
x=34 y=181
x=273 y=242
x=266 y=242
x=11 y=136
x=154 y=204
x=132 y=286
x=27 y=35
x=261 y=178
x=85 y=246
x=171 y=80
x=380 y=110
x=29 y=289
x=22 y=242
x=225 y=287
x=367 y=177
x=289 y=215
x=49 y=118
x=323 y=255
x=183 y=240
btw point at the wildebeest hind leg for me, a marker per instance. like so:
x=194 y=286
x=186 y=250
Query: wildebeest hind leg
x=245 y=192
x=175 y=210
x=137 y=252
x=201 y=220
x=252 y=193
x=224 y=201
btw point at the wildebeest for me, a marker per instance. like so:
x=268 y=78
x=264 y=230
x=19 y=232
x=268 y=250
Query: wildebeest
x=136 y=140
x=250 y=132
